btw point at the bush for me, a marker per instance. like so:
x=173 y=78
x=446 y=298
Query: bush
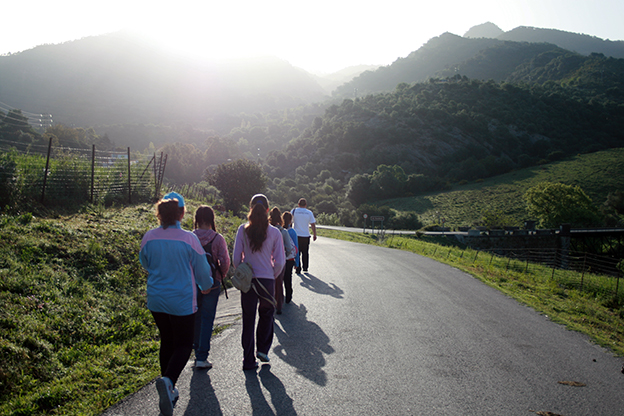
x=327 y=219
x=406 y=221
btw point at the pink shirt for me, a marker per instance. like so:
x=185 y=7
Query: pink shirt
x=268 y=262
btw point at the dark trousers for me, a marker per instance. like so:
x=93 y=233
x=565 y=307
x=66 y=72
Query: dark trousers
x=176 y=342
x=250 y=301
x=279 y=291
x=304 y=250
x=288 y=279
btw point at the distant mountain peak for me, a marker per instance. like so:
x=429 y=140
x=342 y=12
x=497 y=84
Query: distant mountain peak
x=485 y=30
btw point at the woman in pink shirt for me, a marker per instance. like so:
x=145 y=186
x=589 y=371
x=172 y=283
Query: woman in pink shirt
x=259 y=244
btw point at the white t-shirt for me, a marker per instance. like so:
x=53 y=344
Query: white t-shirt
x=302 y=218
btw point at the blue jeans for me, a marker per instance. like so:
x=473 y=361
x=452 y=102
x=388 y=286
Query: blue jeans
x=204 y=321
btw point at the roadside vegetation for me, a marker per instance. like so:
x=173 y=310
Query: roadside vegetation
x=75 y=333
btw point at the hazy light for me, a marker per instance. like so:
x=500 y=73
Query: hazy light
x=324 y=35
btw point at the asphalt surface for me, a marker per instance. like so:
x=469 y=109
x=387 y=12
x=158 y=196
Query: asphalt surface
x=375 y=331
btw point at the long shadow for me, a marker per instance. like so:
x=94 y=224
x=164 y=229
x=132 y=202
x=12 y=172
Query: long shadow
x=302 y=344
x=202 y=395
x=281 y=400
x=313 y=283
x=259 y=405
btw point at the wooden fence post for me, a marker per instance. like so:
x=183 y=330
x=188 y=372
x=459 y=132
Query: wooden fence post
x=45 y=172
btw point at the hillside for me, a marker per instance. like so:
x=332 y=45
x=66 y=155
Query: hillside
x=122 y=78
x=576 y=42
x=511 y=57
x=597 y=174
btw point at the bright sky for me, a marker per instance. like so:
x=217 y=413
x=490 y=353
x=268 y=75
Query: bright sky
x=319 y=35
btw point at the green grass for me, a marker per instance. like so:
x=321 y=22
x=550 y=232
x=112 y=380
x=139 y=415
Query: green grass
x=75 y=333
x=596 y=173
x=596 y=311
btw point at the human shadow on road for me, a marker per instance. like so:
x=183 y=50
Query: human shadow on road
x=280 y=399
x=202 y=395
x=313 y=283
x=302 y=343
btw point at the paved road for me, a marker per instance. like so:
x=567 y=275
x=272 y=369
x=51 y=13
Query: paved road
x=375 y=331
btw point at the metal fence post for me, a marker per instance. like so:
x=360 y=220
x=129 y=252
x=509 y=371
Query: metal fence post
x=92 y=171
x=45 y=172
x=129 y=180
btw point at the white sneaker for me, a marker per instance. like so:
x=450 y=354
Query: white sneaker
x=203 y=364
x=167 y=396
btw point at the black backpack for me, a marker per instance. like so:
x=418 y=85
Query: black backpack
x=209 y=257
x=213 y=263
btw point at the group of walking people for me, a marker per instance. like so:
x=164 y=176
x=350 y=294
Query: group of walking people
x=186 y=271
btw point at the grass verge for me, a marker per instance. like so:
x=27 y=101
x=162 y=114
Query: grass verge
x=75 y=333
x=597 y=313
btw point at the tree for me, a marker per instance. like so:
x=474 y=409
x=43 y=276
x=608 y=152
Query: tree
x=358 y=189
x=553 y=204
x=388 y=181
x=613 y=209
x=238 y=181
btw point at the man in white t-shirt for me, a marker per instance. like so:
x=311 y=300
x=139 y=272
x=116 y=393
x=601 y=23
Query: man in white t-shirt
x=303 y=219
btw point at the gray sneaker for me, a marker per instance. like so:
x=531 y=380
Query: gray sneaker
x=167 y=396
x=203 y=364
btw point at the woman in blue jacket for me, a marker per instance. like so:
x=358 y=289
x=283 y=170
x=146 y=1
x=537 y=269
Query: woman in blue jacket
x=176 y=268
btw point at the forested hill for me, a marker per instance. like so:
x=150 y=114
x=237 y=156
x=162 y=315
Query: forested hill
x=459 y=129
x=576 y=42
x=123 y=78
x=488 y=58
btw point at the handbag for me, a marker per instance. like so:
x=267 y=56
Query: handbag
x=242 y=277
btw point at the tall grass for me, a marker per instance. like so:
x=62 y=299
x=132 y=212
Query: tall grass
x=72 y=180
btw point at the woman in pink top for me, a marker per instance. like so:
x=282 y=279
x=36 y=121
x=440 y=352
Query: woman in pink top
x=259 y=244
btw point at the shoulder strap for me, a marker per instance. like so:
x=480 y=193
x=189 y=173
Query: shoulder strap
x=210 y=242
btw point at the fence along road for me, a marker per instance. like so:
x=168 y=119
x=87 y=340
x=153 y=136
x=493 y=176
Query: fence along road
x=379 y=331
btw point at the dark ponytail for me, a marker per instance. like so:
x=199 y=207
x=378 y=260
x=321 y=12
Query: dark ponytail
x=275 y=217
x=256 y=230
x=286 y=219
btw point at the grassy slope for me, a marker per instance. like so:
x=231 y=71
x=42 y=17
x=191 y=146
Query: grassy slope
x=75 y=334
x=596 y=173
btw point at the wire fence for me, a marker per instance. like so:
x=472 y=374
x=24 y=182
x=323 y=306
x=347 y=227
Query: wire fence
x=586 y=272
x=55 y=175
